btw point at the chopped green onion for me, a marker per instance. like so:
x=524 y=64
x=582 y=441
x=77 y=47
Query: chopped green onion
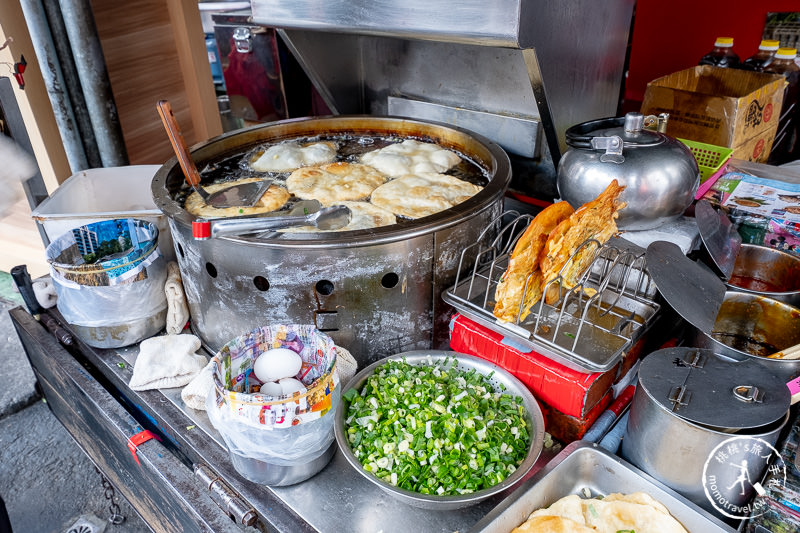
x=435 y=429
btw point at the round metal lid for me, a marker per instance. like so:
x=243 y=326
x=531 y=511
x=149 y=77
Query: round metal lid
x=706 y=389
x=693 y=291
x=719 y=237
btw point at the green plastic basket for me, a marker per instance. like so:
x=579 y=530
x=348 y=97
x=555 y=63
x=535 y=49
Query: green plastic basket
x=712 y=161
x=710 y=158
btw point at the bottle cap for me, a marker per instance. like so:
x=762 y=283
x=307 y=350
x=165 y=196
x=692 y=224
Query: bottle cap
x=768 y=44
x=786 y=53
x=724 y=42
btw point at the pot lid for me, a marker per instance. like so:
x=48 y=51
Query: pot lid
x=693 y=291
x=707 y=389
x=719 y=237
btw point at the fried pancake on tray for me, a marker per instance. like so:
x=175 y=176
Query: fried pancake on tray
x=593 y=220
x=273 y=199
x=524 y=263
x=637 y=512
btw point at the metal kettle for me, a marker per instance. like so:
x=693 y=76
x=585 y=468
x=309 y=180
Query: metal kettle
x=659 y=172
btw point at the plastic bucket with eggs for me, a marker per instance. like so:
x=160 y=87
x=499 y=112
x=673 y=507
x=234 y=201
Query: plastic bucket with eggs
x=278 y=429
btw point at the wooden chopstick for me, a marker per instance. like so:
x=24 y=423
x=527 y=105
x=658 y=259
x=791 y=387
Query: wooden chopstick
x=792 y=352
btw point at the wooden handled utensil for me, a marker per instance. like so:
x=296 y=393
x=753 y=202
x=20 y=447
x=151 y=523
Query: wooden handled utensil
x=241 y=195
x=793 y=352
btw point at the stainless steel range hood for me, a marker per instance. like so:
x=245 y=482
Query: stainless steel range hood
x=519 y=72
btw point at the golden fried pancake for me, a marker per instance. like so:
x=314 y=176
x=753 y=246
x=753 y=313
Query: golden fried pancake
x=364 y=215
x=288 y=156
x=551 y=524
x=524 y=265
x=273 y=199
x=639 y=512
x=593 y=220
x=334 y=182
x=417 y=196
x=411 y=157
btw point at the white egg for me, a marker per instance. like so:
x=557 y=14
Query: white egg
x=291 y=385
x=276 y=364
x=270 y=388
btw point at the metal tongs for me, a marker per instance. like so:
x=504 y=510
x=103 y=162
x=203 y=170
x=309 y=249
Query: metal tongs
x=323 y=218
x=242 y=195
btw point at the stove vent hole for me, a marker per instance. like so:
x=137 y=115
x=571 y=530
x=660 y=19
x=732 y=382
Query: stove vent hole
x=211 y=269
x=324 y=287
x=390 y=280
x=261 y=283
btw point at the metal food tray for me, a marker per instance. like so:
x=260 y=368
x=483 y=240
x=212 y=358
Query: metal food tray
x=589 y=327
x=584 y=466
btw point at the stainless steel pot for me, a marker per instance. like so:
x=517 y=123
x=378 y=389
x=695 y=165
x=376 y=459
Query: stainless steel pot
x=749 y=327
x=375 y=292
x=691 y=404
x=767 y=272
x=659 y=173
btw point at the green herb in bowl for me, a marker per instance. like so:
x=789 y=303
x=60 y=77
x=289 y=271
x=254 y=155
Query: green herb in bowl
x=435 y=429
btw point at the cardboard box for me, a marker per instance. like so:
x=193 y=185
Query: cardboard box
x=721 y=106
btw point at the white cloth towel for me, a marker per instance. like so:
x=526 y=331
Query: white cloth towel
x=195 y=393
x=681 y=231
x=167 y=361
x=346 y=365
x=45 y=293
x=177 y=310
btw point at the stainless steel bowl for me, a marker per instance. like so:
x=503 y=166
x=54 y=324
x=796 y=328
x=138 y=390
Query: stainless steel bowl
x=750 y=326
x=499 y=377
x=768 y=272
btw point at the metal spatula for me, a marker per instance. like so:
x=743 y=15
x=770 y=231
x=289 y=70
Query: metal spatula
x=242 y=195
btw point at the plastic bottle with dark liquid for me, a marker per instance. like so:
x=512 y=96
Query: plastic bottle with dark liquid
x=787 y=142
x=765 y=55
x=722 y=55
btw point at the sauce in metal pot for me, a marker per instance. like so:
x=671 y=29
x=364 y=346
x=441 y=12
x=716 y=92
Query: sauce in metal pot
x=755 y=284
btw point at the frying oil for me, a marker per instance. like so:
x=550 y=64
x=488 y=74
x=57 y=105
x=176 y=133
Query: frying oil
x=350 y=149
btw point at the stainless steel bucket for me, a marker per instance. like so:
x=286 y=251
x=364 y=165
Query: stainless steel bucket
x=675 y=433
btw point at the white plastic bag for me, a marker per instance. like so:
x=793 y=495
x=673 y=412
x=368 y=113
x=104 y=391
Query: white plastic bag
x=120 y=288
x=279 y=446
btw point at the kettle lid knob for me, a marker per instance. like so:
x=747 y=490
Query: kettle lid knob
x=634 y=122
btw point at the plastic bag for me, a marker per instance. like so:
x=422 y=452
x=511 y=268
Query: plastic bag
x=279 y=446
x=126 y=285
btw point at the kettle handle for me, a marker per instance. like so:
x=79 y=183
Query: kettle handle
x=577 y=135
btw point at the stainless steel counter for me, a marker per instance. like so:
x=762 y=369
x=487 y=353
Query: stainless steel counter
x=337 y=499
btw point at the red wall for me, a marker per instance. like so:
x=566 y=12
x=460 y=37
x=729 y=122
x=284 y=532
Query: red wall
x=671 y=35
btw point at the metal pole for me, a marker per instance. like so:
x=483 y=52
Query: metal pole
x=54 y=83
x=73 y=83
x=91 y=66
